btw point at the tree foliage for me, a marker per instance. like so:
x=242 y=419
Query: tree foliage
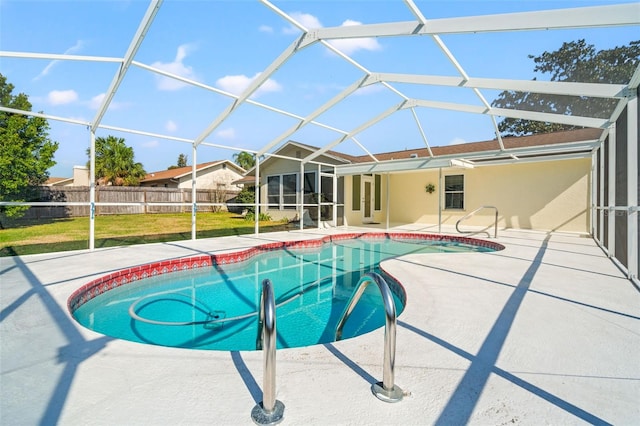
x=26 y=152
x=115 y=164
x=182 y=162
x=574 y=61
x=244 y=160
x=247 y=196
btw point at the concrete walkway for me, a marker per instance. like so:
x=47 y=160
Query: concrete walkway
x=546 y=331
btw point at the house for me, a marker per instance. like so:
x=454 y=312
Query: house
x=80 y=178
x=535 y=182
x=214 y=175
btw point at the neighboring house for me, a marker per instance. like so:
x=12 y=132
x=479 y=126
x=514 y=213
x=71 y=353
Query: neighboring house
x=214 y=175
x=535 y=182
x=80 y=178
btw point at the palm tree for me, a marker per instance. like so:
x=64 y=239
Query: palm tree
x=115 y=163
x=244 y=159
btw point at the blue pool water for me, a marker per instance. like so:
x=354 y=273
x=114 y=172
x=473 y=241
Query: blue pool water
x=215 y=308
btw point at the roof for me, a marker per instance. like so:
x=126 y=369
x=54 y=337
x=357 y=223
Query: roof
x=537 y=140
x=180 y=172
x=56 y=180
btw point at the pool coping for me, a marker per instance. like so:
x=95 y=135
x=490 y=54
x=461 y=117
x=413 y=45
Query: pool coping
x=130 y=275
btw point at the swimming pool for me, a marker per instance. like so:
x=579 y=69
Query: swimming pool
x=210 y=302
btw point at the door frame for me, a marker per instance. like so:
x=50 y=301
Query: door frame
x=367 y=180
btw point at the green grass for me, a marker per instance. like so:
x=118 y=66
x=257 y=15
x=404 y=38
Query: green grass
x=31 y=237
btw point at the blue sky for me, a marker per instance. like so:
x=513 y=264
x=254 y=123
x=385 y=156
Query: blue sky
x=225 y=44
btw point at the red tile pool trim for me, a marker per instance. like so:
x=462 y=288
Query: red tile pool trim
x=126 y=276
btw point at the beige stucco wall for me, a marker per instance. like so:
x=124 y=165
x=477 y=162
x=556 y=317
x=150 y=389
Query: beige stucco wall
x=211 y=177
x=355 y=217
x=550 y=195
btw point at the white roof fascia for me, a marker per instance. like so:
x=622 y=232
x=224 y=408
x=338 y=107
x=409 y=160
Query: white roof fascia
x=255 y=85
x=309 y=118
x=596 y=90
x=145 y=24
x=543 y=153
x=579 y=17
x=359 y=129
x=549 y=149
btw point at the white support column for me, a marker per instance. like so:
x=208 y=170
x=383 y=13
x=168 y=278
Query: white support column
x=256 y=223
x=601 y=204
x=334 y=215
x=318 y=192
x=92 y=190
x=594 y=194
x=388 y=199
x=301 y=205
x=440 y=200
x=632 y=187
x=611 y=213
x=194 y=192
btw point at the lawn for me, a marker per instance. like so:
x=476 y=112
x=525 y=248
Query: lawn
x=29 y=237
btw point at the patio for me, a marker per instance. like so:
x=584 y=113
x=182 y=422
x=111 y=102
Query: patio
x=545 y=331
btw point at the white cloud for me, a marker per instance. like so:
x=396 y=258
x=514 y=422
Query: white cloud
x=265 y=29
x=229 y=133
x=176 y=67
x=151 y=144
x=306 y=20
x=73 y=49
x=171 y=126
x=456 y=141
x=62 y=97
x=237 y=84
x=96 y=101
x=351 y=45
x=346 y=46
x=367 y=90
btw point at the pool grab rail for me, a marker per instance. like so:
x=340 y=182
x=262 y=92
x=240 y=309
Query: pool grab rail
x=386 y=390
x=270 y=411
x=467 y=216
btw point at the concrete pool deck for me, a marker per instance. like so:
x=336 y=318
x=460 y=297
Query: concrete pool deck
x=546 y=331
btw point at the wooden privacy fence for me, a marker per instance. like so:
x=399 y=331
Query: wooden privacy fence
x=124 y=194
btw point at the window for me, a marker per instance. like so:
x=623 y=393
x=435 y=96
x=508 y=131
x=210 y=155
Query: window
x=310 y=188
x=454 y=192
x=283 y=190
x=355 y=193
x=289 y=191
x=273 y=192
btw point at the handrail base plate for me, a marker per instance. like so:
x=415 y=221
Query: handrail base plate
x=261 y=417
x=394 y=394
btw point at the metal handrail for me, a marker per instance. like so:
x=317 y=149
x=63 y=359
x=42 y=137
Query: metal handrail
x=386 y=390
x=270 y=410
x=495 y=226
